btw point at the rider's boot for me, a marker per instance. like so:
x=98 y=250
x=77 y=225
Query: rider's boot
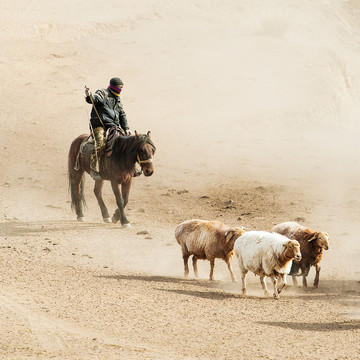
x=93 y=173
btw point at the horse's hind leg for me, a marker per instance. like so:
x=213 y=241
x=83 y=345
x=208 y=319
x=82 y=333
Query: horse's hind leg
x=98 y=193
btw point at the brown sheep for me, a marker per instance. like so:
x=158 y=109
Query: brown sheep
x=312 y=244
x=207 y=240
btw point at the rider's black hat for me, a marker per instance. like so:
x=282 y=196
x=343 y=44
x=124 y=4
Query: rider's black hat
x=115 y=81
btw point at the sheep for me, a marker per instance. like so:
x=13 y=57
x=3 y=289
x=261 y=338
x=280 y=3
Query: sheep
x=266 y=254
x=312 y=244
x=207 y=240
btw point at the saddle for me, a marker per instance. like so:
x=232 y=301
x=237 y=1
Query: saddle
x=110 y=136
x=87 y=146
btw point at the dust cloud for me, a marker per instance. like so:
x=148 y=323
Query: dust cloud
x=256 y=93
x=264 y=95
x=249 y=91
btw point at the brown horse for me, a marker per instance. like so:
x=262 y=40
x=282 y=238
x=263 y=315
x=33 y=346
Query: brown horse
x=118 y=168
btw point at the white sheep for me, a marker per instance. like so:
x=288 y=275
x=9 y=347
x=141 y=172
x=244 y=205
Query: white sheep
x=266 y=254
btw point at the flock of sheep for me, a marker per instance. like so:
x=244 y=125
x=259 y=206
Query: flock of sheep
x=289 y=249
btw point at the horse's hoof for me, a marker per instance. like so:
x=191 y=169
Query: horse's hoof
x=107 y=220
x=81 y=218
x=127 y=226
x=114 y=220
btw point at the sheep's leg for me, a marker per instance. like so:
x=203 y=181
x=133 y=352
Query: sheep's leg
x=283 y=282
x=186 y=266
x=295 y=282
x=317 y=276
x=274 y=280
x=212 y=265
x=227 y=260
x=243 y=281
x=304 y=274
x=263 y=284
x=194 y=261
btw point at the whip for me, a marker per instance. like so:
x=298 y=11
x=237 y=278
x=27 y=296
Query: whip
x=92 y=130
x=92 y=101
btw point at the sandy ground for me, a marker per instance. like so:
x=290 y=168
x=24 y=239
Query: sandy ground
x=254 y=109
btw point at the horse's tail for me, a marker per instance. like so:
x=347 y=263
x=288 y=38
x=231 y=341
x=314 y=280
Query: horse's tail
x=76 y=174
x=74 y=188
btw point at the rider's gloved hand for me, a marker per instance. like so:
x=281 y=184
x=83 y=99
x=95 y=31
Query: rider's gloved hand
x=87 y=91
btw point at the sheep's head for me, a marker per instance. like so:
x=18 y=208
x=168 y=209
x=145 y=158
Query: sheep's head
x=292 y=250
x=321 y=239
x=231 y=234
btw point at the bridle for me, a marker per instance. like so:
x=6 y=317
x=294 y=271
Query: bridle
x=147 y=161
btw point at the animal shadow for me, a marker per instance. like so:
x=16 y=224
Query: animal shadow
x=315 y=326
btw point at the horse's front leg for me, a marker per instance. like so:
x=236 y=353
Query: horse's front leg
x=98 y=193
x=125 y=190
x=120 y=212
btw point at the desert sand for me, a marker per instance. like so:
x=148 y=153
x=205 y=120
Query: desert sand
x=254 y=109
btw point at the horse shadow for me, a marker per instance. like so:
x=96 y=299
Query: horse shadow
x=20 y=228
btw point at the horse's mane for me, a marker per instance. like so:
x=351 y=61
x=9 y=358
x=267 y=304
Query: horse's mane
x=126 y=148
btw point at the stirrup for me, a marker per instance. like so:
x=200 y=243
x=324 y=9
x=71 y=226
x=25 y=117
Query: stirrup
x=137 y=173
x=95 y=175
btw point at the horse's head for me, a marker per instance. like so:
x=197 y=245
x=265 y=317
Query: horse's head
x=145 y=154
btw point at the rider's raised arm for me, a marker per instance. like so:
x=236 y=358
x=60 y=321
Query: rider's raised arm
x=97 y=98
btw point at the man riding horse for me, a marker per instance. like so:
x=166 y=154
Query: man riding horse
x=107 y=112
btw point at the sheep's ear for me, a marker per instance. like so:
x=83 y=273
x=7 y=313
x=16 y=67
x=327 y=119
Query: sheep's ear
x=149 y=134
x=240 y=230
x=229 y=233
x=290 y=244
x=314 y=237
